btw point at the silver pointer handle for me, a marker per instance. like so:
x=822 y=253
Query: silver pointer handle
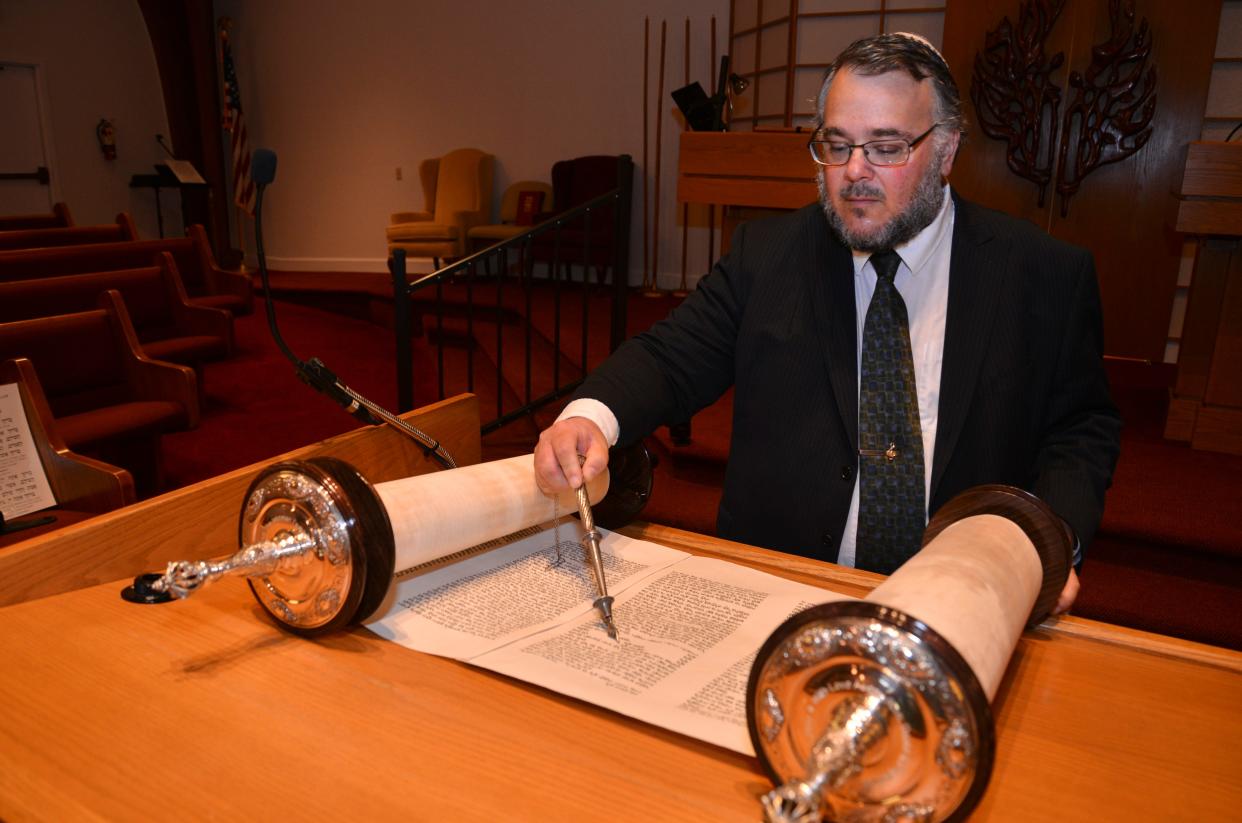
x=590 y=542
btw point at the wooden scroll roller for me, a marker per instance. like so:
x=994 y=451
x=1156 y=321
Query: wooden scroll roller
x=878 y=709
x=321 y=545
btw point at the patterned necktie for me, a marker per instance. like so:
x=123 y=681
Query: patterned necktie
x=890 y=442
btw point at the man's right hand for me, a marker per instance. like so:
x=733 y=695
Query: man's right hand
x=556 y=456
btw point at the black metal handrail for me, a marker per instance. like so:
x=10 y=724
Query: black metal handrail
x=463 y=275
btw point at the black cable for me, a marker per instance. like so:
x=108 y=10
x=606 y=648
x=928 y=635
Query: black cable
x=313 y=372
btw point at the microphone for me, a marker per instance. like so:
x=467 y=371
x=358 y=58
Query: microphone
x=313 y=372
x=263 y=169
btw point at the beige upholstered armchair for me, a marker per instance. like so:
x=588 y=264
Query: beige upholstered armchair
x=457 y=190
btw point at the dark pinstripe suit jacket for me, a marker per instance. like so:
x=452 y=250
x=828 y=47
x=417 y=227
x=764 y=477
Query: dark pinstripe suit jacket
x=1023 y=395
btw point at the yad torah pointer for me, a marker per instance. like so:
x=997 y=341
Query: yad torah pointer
x=590 y=542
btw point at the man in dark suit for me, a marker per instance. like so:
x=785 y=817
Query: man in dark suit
x=979 y=360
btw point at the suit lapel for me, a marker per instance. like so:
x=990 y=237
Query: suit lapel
x=976 y=283
x=832 y=289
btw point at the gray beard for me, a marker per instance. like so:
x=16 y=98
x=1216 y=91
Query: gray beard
x=923 y=208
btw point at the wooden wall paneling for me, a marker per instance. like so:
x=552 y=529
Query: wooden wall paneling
x=1121 y=210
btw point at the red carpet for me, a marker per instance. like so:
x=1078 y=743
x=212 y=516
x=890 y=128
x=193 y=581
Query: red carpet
x=256 y=408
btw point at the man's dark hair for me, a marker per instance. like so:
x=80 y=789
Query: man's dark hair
x=900 y=52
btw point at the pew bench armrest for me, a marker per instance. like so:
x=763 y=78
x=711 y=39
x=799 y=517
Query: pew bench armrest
x=151 y=379
x=79 y=483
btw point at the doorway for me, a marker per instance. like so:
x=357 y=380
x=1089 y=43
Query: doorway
x=26 y=185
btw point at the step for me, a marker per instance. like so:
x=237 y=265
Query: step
x=1168 y=494
x=547 y=366
x=641 y=314
x=1163 y=589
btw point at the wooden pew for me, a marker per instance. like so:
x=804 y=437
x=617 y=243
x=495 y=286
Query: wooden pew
x=122 y=230
x=83 y=487
x=205 y=282
x=167 y=326
x=108 y=399
x=59 y=218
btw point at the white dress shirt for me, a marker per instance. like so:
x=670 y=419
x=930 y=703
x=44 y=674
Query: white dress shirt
x=923 y=283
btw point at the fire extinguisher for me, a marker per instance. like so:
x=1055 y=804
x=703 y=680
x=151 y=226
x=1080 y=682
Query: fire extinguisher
x=106 y=136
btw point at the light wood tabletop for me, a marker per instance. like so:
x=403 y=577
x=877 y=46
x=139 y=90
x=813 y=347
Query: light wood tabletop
x=203 y=709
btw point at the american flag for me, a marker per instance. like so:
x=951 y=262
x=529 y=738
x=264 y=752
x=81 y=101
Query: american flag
x=243 y=186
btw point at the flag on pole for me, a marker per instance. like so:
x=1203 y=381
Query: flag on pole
x=235 y=124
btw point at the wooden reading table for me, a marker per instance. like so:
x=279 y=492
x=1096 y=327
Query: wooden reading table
x=204 y=709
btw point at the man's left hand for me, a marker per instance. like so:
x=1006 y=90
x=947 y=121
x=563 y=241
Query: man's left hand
x=1068 y=594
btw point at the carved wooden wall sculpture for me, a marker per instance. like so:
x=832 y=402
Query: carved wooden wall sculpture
x=1081 y=74
x=1112 y=106
x=1108 y=116
x=1014 y=97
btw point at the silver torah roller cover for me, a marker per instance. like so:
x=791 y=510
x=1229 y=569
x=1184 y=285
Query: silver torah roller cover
x=860 y=711
x=317 y=546
x=317 y=549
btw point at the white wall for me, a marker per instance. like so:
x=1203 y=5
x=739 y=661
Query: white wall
x=347 y=92
x=95 y=60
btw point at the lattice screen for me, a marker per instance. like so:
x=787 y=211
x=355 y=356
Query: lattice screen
x=783 y=46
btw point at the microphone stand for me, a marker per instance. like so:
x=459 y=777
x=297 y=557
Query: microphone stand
x=318 y=376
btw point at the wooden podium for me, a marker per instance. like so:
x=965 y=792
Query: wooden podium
x=761 y=169
x=203 y=709
x=743 y=170
x=1206 y=407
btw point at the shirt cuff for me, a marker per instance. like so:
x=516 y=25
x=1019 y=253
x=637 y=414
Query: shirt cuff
x=597 y=413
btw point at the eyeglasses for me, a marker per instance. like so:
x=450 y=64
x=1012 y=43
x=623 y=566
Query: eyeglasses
x=886 y=152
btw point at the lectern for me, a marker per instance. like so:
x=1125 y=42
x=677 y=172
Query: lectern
x=180 y=175
x=1206 y=408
